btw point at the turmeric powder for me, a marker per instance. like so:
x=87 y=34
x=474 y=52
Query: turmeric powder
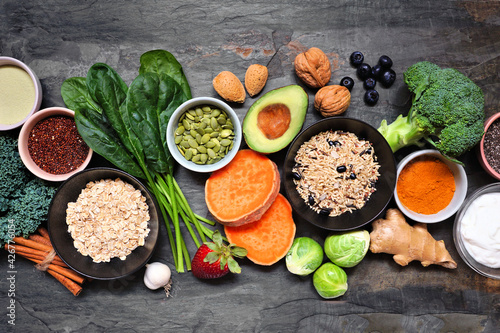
x=426 y=185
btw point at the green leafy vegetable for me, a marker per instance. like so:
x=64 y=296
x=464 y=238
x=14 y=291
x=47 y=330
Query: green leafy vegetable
x=163 y=62
x=24 y=199
x=447 y=111
x=127 y=126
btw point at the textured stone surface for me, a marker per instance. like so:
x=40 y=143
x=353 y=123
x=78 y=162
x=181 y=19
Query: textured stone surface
x=61 y=39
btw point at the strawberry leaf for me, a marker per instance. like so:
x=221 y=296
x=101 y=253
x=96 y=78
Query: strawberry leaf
x=223 y=262
x=237 y=251
x=211 y=257
x=233 y=266
x=212 y=246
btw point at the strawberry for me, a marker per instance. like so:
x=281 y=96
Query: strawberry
x=214 y=259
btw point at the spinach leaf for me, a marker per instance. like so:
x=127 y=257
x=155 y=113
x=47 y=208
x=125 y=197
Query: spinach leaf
x=95 y=76
x=161 y=61
x=171 y=97
x=108 y=88
x=76 y=96
x=143 y=102
x=97 y=132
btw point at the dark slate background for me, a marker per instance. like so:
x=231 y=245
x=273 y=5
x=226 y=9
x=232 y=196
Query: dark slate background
x=60 y=39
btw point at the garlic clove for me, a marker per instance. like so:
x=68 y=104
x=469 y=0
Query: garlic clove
x=157 y=275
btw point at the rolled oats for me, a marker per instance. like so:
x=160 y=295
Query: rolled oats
x=109 y=219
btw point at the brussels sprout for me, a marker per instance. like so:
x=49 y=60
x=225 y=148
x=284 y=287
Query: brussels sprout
x=347 y=249
x=304 y=257
x=330 y=281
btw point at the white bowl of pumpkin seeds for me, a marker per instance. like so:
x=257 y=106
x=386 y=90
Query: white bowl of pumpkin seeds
x=204 y=134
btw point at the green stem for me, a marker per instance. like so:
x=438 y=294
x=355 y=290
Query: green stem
x=188 y=209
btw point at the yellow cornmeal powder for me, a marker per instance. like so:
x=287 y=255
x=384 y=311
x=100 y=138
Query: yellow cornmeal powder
x=17 y=94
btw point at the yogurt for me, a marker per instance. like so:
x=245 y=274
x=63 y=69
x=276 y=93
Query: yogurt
x=480 y=229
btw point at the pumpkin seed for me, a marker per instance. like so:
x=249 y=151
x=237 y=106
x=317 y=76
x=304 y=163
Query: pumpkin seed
x=225 y=142
x=213 y=123
x=179 y=130
x=205 y=138
x=225 y=133
x=204 y=135
x=188 y=154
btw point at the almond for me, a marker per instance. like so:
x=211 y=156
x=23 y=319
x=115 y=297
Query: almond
x=229 y=87
x=255 y=79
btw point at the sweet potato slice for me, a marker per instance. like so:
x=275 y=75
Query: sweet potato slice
x=268 y=239
x=243 y=190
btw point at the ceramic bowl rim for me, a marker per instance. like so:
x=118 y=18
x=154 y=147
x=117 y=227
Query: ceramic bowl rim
x=38 y=90
x=174 y=120
x=457 y=200
x=23 y=144
x=490 y=272
x=482 y=157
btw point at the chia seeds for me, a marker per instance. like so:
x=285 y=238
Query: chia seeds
x=491 y=146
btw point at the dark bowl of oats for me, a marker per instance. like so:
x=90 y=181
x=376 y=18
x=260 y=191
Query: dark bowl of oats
x=339 y=174
x=103 y=223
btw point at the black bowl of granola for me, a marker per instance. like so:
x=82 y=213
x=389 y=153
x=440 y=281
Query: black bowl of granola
x=103 y=223
x=339 y=174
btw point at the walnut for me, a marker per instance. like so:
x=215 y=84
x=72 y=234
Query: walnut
x=313 y=68
x=332 y=100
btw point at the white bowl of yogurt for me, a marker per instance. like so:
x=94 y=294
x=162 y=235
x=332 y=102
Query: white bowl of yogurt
x=20 y=93
x=476 y=231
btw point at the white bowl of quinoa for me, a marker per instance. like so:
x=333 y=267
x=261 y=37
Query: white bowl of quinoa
x=339 y=174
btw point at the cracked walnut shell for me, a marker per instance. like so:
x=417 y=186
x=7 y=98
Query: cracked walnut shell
x=313 y=68
x=332 y=100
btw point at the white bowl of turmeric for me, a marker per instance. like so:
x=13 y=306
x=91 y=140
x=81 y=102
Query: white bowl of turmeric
x=430 y=188
x=20 y=93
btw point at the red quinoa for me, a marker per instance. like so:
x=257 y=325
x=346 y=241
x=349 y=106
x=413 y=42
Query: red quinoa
x=56 y=146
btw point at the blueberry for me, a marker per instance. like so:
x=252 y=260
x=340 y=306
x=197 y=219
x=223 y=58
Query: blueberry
x=347 y=82
x=385 y=61
x=356 y=58
x=364 y=71
x=369 y=83
x=387 y=78
x=377 y=71
x=371 y=97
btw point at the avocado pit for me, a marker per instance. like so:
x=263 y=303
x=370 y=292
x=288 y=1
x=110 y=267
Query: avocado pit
x=274 y=120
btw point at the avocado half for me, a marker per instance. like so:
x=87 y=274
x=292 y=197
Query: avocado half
x=273 y=121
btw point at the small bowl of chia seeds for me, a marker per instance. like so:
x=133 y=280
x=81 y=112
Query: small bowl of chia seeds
x=204 y=134
x=489 y=147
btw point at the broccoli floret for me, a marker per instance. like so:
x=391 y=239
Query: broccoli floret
x=447 y=111
x=24 y=199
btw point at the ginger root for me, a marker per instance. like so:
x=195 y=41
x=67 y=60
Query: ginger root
x=394 y=235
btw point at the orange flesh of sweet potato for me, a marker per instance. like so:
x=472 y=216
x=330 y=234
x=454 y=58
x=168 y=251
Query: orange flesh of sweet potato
x=268 y=239
x=243 y=190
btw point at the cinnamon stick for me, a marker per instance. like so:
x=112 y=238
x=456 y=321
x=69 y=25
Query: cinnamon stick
x=40 y=239
x=44 y=232
x=72 y=286
x=63 y=271
x=24 y=250
x=30 y=243
x=56 y=261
